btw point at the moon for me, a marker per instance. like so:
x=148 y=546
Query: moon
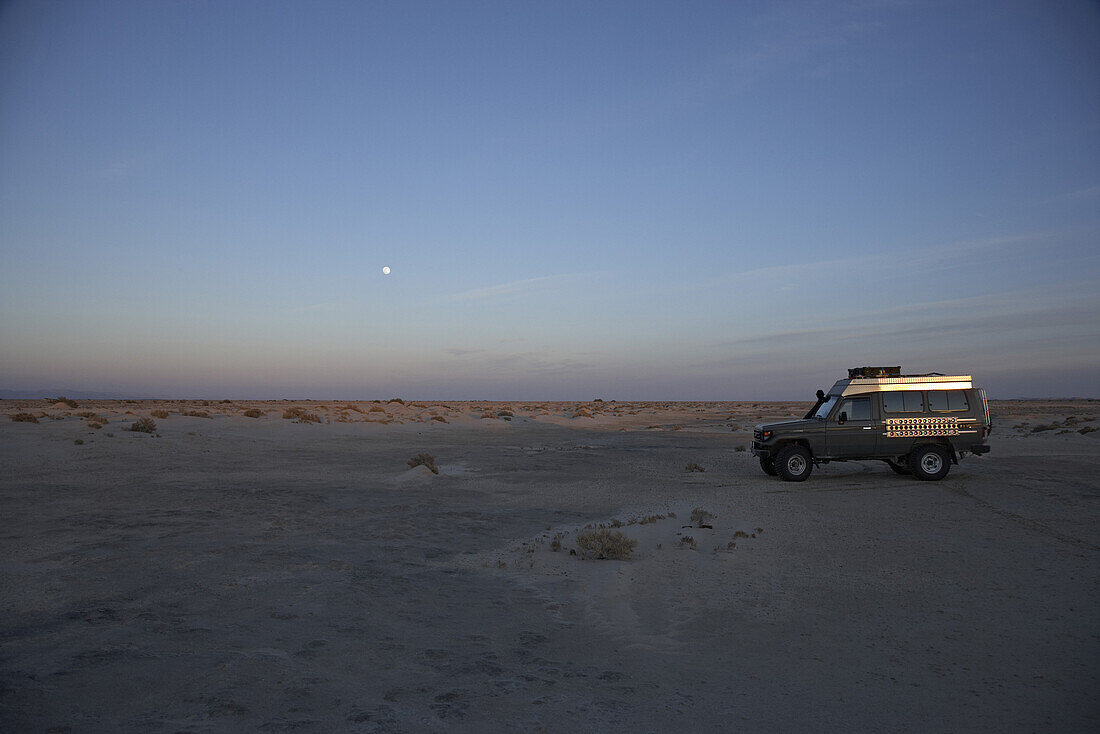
x=386 y=270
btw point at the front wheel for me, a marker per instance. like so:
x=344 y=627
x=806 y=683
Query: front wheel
x=793 y=463
x=767 y=463
x=929 y=462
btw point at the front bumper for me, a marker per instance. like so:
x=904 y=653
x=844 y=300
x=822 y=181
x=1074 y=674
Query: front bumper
x=761 y=450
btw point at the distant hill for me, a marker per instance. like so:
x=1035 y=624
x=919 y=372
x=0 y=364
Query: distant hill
x=69 y=393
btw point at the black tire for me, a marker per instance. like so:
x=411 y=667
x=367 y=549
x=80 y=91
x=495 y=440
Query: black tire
x=900 y=466
x=929 y=462
x=793 y=464
x=767 y=463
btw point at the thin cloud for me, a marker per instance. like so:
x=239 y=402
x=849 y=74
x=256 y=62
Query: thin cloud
x=509 y=289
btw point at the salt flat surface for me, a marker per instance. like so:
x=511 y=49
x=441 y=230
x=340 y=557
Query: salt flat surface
x=231 y=573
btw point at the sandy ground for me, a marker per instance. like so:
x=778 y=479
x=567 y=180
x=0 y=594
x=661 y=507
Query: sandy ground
x=229 y=573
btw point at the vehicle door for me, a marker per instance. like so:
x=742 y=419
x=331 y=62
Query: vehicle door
x=850 y=429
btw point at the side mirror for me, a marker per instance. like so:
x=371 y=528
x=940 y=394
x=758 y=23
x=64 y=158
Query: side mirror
x=820 y=394
x=843 y=417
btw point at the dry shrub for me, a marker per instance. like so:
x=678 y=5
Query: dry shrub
x=692 y=466
x=424 y=459
x=555 y=542
x=604 y=544
x=687 y=542
x=254 y=413
x=68 y=401
x=197 y=414
x=582 y=413
x=488 y=414
x=701 y=517
x=143 y=425
x=740 y=534
x=439 y=418
x=159 y=414
x=299 y=415
x=1086 y=429
x=78 y=441
x=376 y=409
x=23 y=418
x=95 y=426
x=356 y=408
x=396 y=400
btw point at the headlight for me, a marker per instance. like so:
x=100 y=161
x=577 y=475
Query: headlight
x=767 y=435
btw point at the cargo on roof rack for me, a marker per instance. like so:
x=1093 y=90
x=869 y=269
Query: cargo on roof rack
x=854 y=372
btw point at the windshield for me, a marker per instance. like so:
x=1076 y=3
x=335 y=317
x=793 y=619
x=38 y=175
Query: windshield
x=822 y=411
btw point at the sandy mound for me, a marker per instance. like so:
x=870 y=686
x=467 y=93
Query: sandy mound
x=417 y=473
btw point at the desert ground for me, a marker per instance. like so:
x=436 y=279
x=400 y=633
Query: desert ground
x=267 y=566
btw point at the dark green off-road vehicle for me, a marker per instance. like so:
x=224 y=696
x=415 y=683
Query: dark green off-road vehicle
x=918 y=424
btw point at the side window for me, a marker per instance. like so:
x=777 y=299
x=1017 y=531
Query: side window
x=945 y=400
x=858 y=409
x=903 y=402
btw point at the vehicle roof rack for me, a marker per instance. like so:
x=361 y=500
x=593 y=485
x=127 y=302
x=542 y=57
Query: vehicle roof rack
x=855 y=372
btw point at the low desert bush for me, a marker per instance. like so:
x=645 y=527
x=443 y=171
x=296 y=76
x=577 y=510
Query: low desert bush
x=555 y=542
x=254 y=413
x=701 y=517
x=301 y=416
x=604 y=544
x=1086 y=429
x=197 y=413
x=396 y=400
x=376 y=409
x=23 y=418
x=162 y=414
x=68 y=401
x=94 y=425
x=582 y=413
x=78 y=441
x=1041 y=428
x=424 y=459
x=143 y=425
x=692 y=466
x=439 y=418
x=688 y=542
x=739 y=448
x=740 y=534
x=488 y=414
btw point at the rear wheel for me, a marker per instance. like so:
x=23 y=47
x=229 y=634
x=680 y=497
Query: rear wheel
x=929 y=462
x=767 y=463
x=793 y=463
x=899 y=465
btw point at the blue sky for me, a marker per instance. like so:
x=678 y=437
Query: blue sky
x=622 y=200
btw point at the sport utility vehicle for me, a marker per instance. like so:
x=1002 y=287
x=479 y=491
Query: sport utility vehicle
x=918 y=424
